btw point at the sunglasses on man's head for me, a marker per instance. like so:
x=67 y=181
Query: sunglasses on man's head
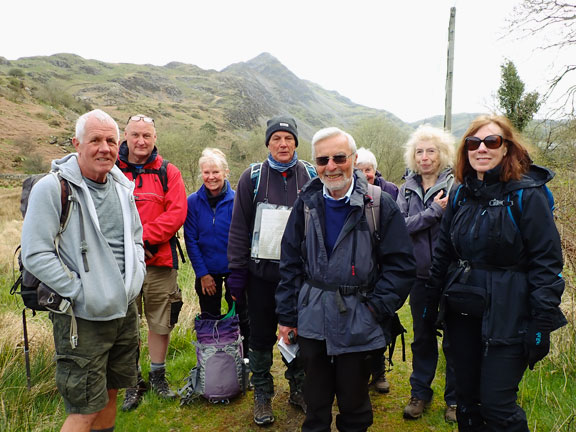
x=338 y=159
x=491 y=141
x=140 y=117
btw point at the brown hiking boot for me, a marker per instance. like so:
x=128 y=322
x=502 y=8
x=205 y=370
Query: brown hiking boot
x=450 y=413
x=415 y=408
x=263 y=414
x=159 y=384
x=381 y=384
x=133 y=395
x=297 y=399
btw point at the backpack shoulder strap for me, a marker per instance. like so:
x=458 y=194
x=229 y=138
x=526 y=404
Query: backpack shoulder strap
x=455 y=201
x=309 y=168
x=161 y=172
x=163 y=175
x=65 y=199
x=255 y=171
x=372 y=211
x=515 y=210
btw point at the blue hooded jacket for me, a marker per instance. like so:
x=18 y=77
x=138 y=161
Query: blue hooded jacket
x=206 y=232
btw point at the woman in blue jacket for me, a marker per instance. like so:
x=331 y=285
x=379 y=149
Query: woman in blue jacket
x=206 y=230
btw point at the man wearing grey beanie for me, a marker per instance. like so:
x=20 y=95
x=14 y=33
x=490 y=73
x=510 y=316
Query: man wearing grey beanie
x=276 y=181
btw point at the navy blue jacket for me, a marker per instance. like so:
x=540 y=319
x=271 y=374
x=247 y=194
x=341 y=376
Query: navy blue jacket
x=307 y=296
x=516 y=264
x=206 y=232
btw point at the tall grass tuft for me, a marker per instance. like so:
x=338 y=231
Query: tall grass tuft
x=40 y=407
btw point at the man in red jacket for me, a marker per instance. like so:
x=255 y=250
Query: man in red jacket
x=161 y=201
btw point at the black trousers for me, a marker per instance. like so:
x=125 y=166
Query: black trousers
x=262 y=313
x=213 y=305
x=343 y=376
x=263 y=327
x=487 y=379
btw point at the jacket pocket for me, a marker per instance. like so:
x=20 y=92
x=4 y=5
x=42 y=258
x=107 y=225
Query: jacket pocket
x=466 y=299
x=357 y=326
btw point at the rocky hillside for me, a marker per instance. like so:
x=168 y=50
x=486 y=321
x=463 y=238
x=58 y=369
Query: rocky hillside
x=40 y=98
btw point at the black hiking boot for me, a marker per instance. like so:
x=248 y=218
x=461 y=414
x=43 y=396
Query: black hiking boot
x=133 y=395
x=297 y=399
x=159 y=384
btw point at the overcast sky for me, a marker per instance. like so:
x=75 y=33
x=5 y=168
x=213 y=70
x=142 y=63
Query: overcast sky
x=383 y=54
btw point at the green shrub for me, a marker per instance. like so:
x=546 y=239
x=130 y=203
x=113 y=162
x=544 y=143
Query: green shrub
x=16 y=72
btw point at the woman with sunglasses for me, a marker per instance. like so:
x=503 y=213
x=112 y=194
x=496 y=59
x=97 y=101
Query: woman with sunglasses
x=422 y=200
x=496 y=274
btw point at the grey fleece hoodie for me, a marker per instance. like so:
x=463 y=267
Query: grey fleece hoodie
x=101 y=293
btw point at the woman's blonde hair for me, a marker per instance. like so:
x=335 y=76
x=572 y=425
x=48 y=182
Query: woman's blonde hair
x=443 y=141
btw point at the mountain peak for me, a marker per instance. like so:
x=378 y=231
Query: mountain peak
x=264 y=57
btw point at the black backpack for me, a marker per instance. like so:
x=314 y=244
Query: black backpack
x=34 y=293
x=162 y=174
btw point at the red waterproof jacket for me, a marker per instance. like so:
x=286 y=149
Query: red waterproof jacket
x=162 y=212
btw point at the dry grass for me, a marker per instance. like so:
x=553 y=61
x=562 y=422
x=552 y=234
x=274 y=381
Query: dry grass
x=10 y=227
x=39 y=331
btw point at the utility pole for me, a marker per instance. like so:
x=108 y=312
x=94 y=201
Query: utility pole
x=450 y=71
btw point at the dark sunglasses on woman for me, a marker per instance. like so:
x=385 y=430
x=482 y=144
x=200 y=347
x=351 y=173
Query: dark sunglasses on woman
x=491 y=141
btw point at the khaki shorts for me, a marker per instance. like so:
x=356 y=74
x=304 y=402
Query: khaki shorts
x=162 y=299
x=106 y=358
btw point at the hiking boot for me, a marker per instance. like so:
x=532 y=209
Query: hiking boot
x=450 y=413
x=159 y=384
x=415 y=408
x=381 y=384
x=297 y=399
x=133 y=395
x=263 y=414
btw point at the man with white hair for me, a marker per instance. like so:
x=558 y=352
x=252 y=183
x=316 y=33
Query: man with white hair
x=98 y=266
x=340 y=283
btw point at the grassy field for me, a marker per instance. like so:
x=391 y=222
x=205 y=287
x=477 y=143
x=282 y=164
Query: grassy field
x=547 y=393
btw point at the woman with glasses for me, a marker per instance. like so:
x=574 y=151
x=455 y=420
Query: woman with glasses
x=423 y=200
x=206 y=236
x=496 y=274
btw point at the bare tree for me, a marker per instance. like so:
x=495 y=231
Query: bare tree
x=557 y=19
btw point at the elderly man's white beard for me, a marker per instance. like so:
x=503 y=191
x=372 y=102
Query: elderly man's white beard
x=335 y=185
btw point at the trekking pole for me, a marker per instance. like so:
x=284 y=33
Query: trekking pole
x=26 y=350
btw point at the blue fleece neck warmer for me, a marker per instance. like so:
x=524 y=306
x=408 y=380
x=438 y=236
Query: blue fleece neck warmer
x=281 y=167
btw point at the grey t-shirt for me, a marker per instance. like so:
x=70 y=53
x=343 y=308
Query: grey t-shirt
x=110 y=216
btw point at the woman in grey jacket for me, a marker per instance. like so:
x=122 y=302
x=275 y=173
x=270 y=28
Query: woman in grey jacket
x=422 y=200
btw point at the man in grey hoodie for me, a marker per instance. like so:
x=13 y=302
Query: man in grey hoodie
x=97 y=263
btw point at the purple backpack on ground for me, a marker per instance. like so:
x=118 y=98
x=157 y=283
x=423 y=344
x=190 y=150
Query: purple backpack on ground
x=220 y=372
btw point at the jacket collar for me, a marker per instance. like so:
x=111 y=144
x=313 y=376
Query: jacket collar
x=123 y=153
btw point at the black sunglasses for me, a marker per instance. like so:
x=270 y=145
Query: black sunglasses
x=139 y=117
x=338 y=159
x=491 y=141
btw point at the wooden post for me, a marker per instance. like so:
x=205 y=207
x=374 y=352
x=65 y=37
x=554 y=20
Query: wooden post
x=450 y=71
